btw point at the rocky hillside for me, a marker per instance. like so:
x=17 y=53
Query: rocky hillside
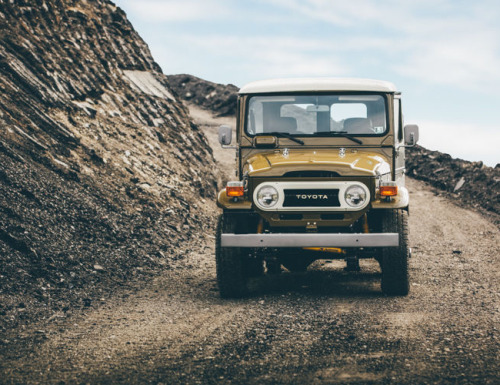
x=103 y=175
x=469 y=182
x=219 y=98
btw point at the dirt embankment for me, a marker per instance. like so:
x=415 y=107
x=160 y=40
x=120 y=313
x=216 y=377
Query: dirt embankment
x=473 y=183
x=103 y=175
x=219 y=98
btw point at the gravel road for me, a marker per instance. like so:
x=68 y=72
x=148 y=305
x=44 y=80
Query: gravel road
x=324 y=326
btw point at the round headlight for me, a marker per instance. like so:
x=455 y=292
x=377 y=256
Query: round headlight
x=355 y=196
x=267 y=196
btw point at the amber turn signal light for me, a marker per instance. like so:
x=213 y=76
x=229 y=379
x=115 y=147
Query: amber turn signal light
x=388 y=191
x=235 y=189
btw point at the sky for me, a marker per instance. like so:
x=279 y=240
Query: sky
x=443 y=55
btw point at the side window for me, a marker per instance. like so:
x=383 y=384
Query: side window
x=255 y=117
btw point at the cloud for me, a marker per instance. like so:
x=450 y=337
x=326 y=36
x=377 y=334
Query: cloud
x=467 y=58
x=436 y=41
x=267 y=57
x=356 y=13
x=177 y=10
x=465 y=141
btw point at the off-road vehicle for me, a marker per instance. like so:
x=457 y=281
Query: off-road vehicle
x=321 y=175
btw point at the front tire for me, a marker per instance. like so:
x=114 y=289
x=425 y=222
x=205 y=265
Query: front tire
x=394 y=261
x=234 y=265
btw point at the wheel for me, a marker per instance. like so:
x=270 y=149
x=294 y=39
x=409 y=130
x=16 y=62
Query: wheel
x=229 y=263
x=253 y=265
x=395 y=275
x=234 y=265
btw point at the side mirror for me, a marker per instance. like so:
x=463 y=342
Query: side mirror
x=225 y=135
x=411 y=134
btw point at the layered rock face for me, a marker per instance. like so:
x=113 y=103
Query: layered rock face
x=102 y=174
x=219 y=98
x=471 y=182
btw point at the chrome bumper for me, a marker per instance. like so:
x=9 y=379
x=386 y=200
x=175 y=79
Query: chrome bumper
x=310 y=240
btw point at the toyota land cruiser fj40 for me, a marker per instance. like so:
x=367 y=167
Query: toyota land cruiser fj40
x=321 y=175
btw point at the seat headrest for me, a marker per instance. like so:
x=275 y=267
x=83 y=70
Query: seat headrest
x=358 y=126
x=287 y=125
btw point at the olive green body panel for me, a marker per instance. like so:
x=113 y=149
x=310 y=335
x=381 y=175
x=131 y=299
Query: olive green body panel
x=400 y=201
x=339 y=160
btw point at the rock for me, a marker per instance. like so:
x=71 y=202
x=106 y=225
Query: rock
x=478 y=184
x=218 y=98
x=459 y=184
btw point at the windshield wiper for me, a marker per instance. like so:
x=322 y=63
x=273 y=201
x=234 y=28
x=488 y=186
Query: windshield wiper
x=343 y=134
x=286 y=135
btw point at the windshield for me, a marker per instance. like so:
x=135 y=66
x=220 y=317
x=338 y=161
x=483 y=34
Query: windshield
x=319 y=115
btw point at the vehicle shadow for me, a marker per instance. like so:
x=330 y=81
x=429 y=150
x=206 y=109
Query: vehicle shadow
x=334 y=281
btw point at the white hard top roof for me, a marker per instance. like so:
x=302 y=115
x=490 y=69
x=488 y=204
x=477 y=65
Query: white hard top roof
x=317 y=84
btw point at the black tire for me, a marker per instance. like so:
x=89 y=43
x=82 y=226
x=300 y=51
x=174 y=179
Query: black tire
x=234 y=265
x=395 y=274
x=253 y=265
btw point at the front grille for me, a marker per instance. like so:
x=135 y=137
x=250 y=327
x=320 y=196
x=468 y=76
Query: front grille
x=311 y=198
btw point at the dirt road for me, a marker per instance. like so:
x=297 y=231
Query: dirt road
x=324 y=326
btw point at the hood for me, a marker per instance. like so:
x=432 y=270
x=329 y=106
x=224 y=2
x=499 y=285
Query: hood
x=345 y=163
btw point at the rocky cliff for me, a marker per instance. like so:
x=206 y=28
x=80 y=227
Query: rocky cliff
x=470 y=182
x=219 y=98
x=103 y=175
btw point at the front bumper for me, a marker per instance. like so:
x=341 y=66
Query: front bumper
x=310 y=240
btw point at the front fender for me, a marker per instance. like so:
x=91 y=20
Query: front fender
x=228 y=203
x=400 y=201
